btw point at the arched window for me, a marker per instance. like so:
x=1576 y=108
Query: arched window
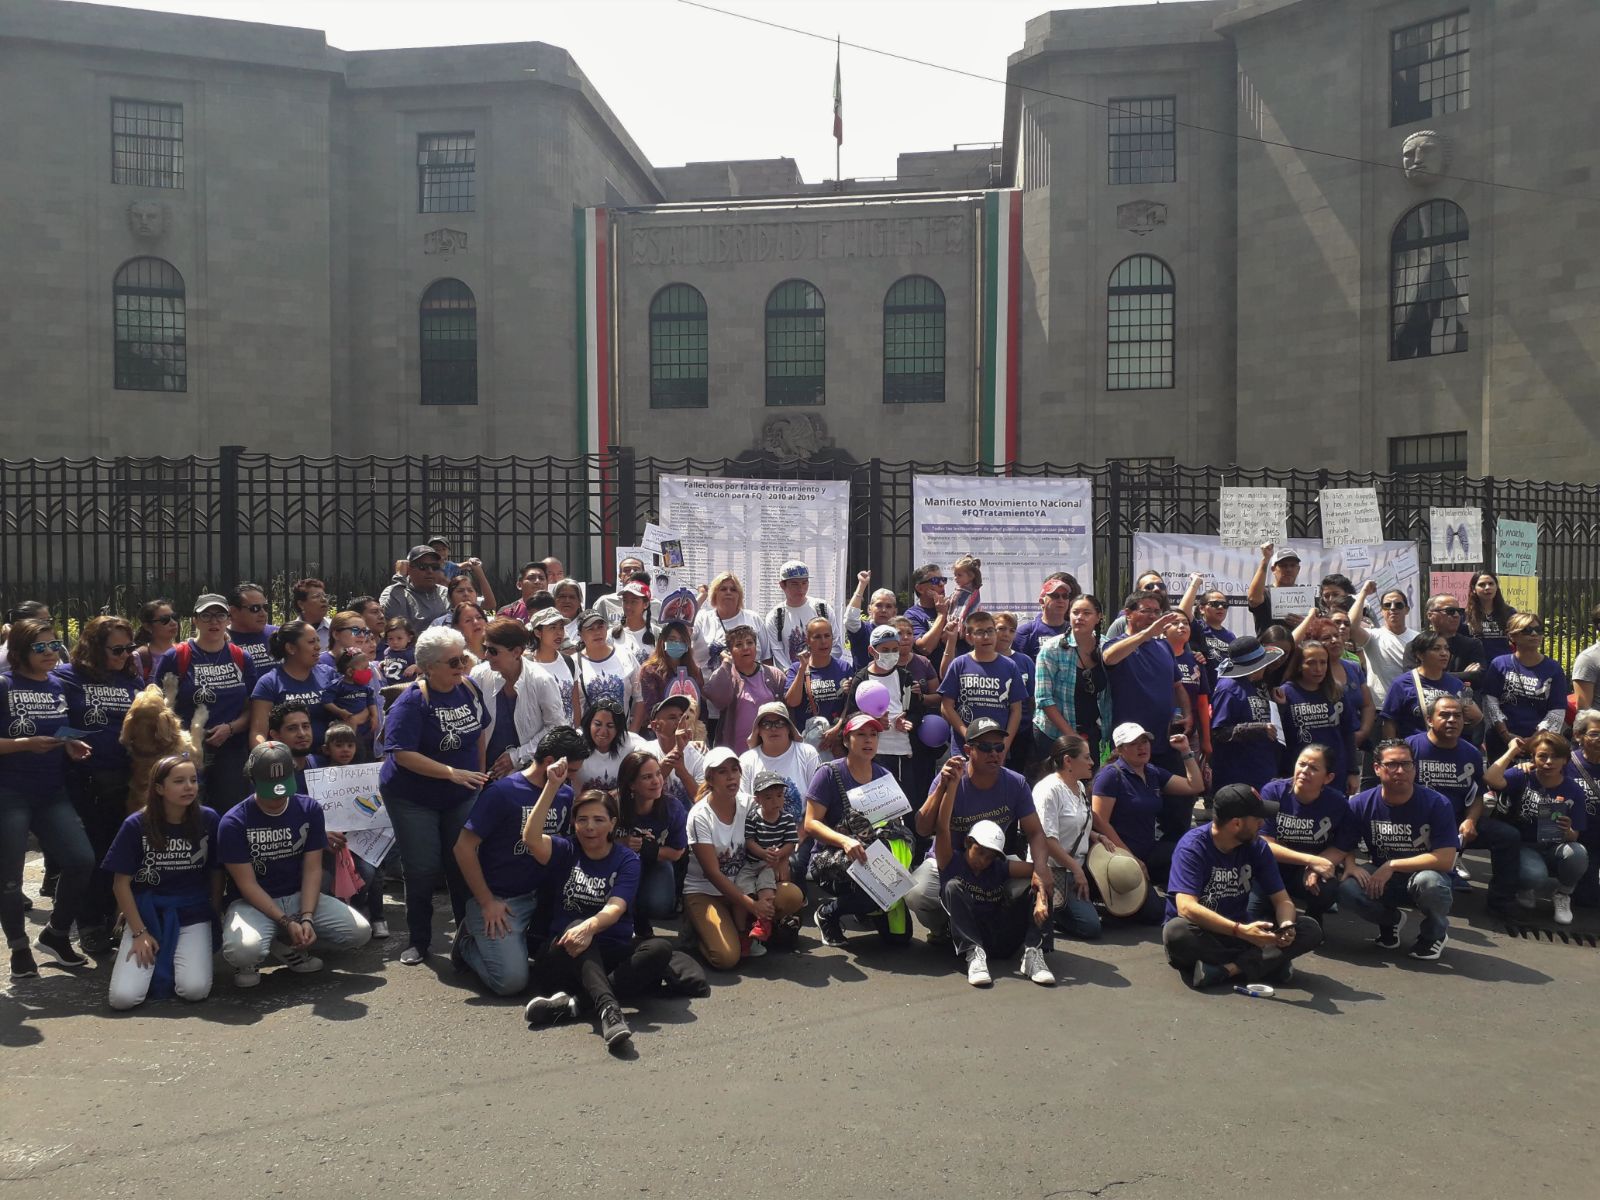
x=1428 y=282
x=449 y=317
x=913 y=342
x=1139 y=303
x=678 y=357
x=150 y=354
x=795 y=344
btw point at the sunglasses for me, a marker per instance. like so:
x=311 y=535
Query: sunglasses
x=1153 y=586
x=41 y=647
x=934 y=580
x=1447 y=612
x=1530 y=631
x=1215 y=604
x=169 y=619
x=771 y=723
x=122 y=649
x=1402 y=765
x=456 y=663
x=427 y=566
x=492 y=650
x=1396 y=606
x=989 y=747
x=252 y=608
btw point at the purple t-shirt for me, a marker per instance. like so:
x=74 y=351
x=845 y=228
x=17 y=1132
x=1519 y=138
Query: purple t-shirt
x=1033 y=634
x=987 y=887
x=273 y=846
x=1192 y=675
x=1254 y=761
x=30 y=708
x=1532 y=807
x=443 y=727
x=392 y=666
x=1138 y=803
x=277 y=686
x=1141 y=687
x=98 y=710
x=829 y=686
x=497 y=816
x=1220 y=879
x=982 y=690
x=825 y=789
x=1311 y=719
x=579 y=887
x=1400 y=703
x=667 y=821
x=1309 y=828
x=213 y=679
x=1006 y=803
x=255 y=645
x=1456 y=774
x=183 y=868
x=1423 y=823
x=1526 y=694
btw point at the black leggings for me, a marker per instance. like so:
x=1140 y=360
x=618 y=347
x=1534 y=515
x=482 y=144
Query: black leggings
x=604 y=970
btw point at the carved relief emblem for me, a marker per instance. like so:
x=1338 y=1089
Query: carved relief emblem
x=794 y=435
x=1141 y=216
x=147 y=219
x=1426 y=152
x=444 y=241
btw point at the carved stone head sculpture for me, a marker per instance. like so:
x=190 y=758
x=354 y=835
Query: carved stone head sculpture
x=1425 y=153
x=147 y=219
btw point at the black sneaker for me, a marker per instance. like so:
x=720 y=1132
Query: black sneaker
x=1209 y=975
x=1281 y=974
x=1429 y=949
x=1389 y=935
x=96 y=940
x=59 y=947
x=828 y=926
x=1504 y=907
x=47 y=887
x=548 y=1010
x=22 y=964
x=613 y=1028
x=458 y=956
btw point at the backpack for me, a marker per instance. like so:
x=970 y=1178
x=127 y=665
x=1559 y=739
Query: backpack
x=185 y=652
x=781 y=613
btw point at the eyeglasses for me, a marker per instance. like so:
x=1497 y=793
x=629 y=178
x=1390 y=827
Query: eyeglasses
x=1395 y=606
x=1403 y=764
x=211 y=615
x=122 y=649
x=252 y=608
x=41 y=647
x=988 y=747
x=169 y=619
x=771 y=723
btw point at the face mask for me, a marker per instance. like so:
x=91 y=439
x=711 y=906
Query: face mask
x=363 y=676
x=676 y=649
x=888 y=659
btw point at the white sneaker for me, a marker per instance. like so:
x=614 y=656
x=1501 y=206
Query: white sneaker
x=1563 y=906
x=1461 y=871
x=298 y=961
x=380 y=929
x=978 y=967
x=756 y=950
x=247 y=977
x=1526 y=898
x=1034 y=967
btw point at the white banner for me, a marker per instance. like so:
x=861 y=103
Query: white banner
x=1022 y=530
x=1228 y=568
x=752 y=526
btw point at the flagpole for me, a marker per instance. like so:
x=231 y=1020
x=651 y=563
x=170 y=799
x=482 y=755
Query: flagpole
x=838 y=110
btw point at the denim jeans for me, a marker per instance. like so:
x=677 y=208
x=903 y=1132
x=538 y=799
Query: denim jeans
x=925 y=898
x=54 y=821
x=248 y=933
x=1565 y=862
x=1000 y=932
x=1428 y=892
x=223 y=784
x=1315 y=904
x=501 y=962
x=426 y=838
x=1074 y=917
x=1502 y=841
x=605 y=970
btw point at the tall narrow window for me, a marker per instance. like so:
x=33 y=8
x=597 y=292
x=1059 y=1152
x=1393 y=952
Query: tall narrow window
x=147 y=144
x=1429 y=69
x=447 y=178
x=1428 y=282
x=796 y=344
x=1144 y=139
x=1139 y=304
x=449 y=344
x=678 y=348
x=150 y=352
x=913 y=342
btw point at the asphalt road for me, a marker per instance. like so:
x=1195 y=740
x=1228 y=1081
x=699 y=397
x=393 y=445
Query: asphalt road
x=830 y=1072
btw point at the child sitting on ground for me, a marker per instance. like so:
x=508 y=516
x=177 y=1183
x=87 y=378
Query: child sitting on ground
x=771 y=836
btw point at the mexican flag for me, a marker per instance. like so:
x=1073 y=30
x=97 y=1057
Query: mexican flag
x=838 y=98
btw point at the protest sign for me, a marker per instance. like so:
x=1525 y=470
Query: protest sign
x=1250 y=516
x=1516 y=548
x=1455 y=535
x=1521 y=592
x=1294 y=601
x=881 y=876
x=1357 y=561
x=348 y=796
x=1450 y=583
x=752 y=526
x=1350 y=517
x=1023 y=529
x=879 y=801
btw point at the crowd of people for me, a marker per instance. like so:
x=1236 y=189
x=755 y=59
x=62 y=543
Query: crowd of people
x=576 y=769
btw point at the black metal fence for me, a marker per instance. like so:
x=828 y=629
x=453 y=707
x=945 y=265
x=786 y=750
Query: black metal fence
x=90 y=535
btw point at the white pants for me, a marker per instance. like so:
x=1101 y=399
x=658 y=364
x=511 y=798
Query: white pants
x=247 y=932
x=191 y=968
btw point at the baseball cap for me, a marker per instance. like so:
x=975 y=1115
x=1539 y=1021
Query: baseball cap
x=862 y=720
x=421 y=552
x=882 y=634
x=546 y=616
x=766 y=779
x=437 y=540
x=635 y=589
x=208 y=601
x=1127 y=733
x=270 y=768
x=1285 y=555
x=679 y=702
x=721 y=756
x=989 y=835
x=793 y=569
x=1240 y=800
x=1051 y=587
x=981 y=726
x=589 y=617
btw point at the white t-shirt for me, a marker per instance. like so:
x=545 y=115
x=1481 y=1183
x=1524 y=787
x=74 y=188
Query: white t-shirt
x=892 y=740
x=615 y=677
x=1064 y=814
x=797 y=765
x=562 y=674
x=632 y=640
x=1385 y=653
x=694 y=758
x=1586 y=667
x=600 y=770
x=727 y=840
x=711 y=635
x=787 y=648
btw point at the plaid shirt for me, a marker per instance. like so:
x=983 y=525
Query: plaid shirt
x=1056 y=686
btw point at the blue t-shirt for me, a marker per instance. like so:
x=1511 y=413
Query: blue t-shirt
x=982 y=690
x=30 y=708
x=183 y=868
x=829 y=686
x=1309 y=828
x=1215 y=643
x=667 y=821
x=355 y=698
x=444 y=728
x=1138 y=803
x=98 y=710
x=579 y=887
x=1532 y=807
x=1255 y=761
x=1006 y=803
x=1455 y=774
x=1400 y=703
x=1220 y=879
x=213 y=679
x=1033 y=634
x=255 y=645
x=987 y=888
x=1309 y=718
x=498 y=815
x=1423 y=823
x=1141 y=687
x=1025 y=668
x=1192 y=675
x=392 y=666
x=1526 y=694
x=317 y=689
x=273 y=846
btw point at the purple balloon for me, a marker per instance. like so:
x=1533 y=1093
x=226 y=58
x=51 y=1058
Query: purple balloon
x=934 y=731
x=872 y=698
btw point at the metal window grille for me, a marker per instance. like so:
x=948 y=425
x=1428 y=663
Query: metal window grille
x=152 y=501
x=1139 y=323
x=913 y=342
x=796 y=344
x=452 y=504
x=1429 y=67
x=147 y=144
x=150 y=353
x=1143 y=139
x=678 y=348
x=447 y=177
x=449 y=316
x=1428 y=282
x=1429 y=453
